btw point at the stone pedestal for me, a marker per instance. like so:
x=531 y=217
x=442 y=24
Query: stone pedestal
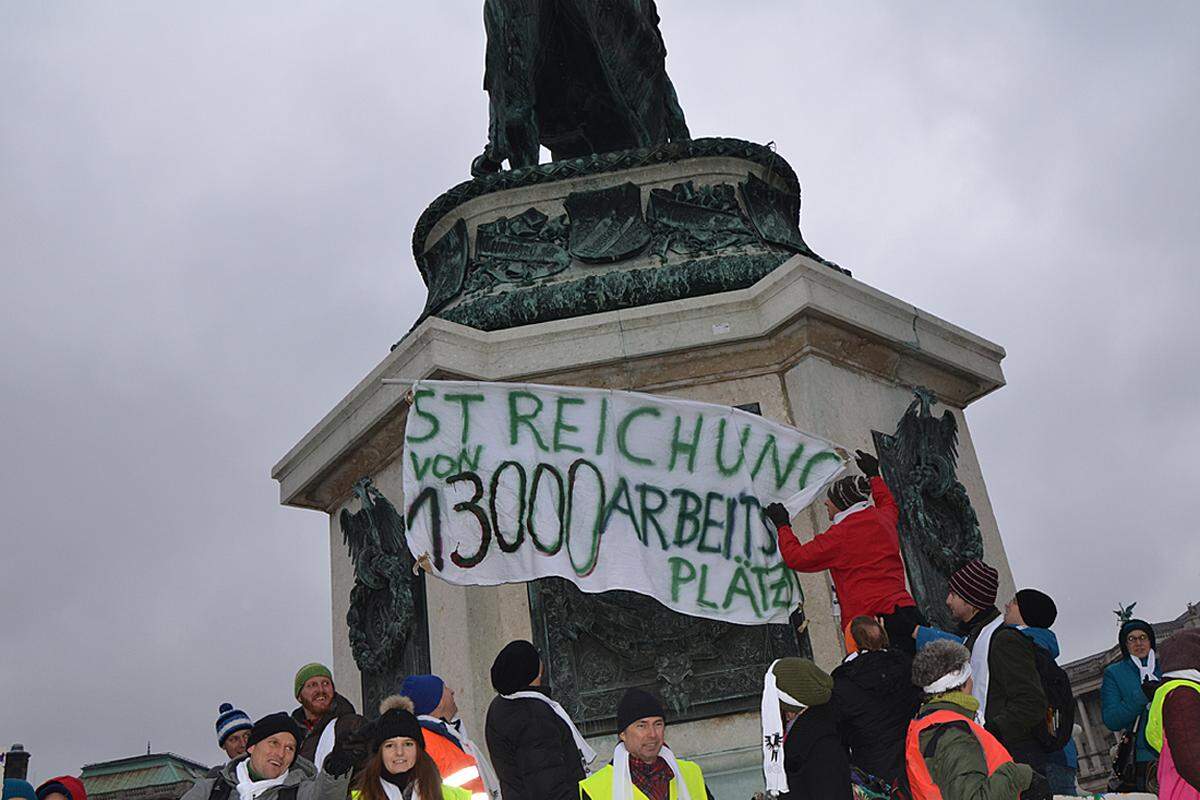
x=811 y=346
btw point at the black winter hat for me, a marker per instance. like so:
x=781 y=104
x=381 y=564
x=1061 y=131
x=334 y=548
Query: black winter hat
x=1130 y=627
x=271 y=724
x=849 y=490
x=515 y=667
x=1037 y=608
x=637 y=704
x=396 y=719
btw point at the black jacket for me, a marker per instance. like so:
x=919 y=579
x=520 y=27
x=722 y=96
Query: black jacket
x=875 y=699
x=532 y=750
x=1016 y=703
x=814 y=759
x=348 y=721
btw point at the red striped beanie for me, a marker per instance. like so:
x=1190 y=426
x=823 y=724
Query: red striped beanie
x=977 y=583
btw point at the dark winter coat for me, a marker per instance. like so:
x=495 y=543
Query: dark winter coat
x=1016 y=703
x=1045 y=639
x=302 y=775
x=874 y=698
x=348 y=721
x=814 y=759
x=532 y=750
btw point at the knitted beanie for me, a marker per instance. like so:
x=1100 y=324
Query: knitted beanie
x=1037 y=608
x=271 y=724
x=230 y=720
x=1181 y=651
x=977 y=583
x=515 y=667
x=396 y=718
x=67 y=785
x=425 y=691
x=638 y=704
x=310 y=671
x=849 y=490
x=17 y=789
x=1131 y=626
x=804 y=681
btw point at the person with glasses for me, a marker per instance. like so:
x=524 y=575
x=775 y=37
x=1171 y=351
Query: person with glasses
x=1124 y=703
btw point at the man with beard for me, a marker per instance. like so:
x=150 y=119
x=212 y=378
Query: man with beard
x=324 y=715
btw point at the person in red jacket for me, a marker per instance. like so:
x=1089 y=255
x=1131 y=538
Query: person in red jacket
x=861 y=550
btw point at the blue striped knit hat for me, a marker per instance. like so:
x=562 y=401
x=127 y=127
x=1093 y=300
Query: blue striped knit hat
x=229 y=721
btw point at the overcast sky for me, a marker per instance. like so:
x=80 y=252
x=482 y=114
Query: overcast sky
x=205 y=221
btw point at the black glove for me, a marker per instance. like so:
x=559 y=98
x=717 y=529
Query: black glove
x=778 y=515
x=1149 y=688
x=340 y=761
x=1039 y=789
x=867 y=464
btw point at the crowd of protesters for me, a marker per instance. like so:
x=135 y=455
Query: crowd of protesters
x=978 y=713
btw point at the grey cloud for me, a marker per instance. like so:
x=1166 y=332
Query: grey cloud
x=207 y=213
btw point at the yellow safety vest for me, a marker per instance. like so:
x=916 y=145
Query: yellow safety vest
x=1154 y=725
x=599 y=785
x=448 y=793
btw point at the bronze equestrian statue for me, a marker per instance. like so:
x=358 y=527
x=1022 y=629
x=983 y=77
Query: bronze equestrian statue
x=576 y=76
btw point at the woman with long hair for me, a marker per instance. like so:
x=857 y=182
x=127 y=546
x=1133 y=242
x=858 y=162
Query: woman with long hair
x=398 y=768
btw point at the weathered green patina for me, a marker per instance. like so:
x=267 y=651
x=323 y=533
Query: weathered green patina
x=779 y=171
x=533 y=268
x=599 y=645
x=939 y=531
x=388 y=626
x=575 y=76
x=688 y=220
x=519 y=250
x=610 y=291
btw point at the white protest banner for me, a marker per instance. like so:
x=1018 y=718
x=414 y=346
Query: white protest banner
x=509 y=482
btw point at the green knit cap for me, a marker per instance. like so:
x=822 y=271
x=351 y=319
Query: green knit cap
x=311 y=671
x=803 y=680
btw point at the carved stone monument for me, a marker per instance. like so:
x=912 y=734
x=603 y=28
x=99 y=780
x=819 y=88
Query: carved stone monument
x=661 y=264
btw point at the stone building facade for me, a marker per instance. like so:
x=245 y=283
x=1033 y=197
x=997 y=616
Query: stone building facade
x=1095 y=741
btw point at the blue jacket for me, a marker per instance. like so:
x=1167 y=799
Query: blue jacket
x=926 y=634
x=1122 y=702
x=1045 y=639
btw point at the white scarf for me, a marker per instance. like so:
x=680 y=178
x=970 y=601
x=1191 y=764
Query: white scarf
x=854 y=509
x=1192 y=675
x=772 y=728
x=325 y=743
x=622 y=788
x=586 y=753
x=248 y=789
x=1145 y=672
x=488 y=775
x=979 y=666
x=950 y=680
